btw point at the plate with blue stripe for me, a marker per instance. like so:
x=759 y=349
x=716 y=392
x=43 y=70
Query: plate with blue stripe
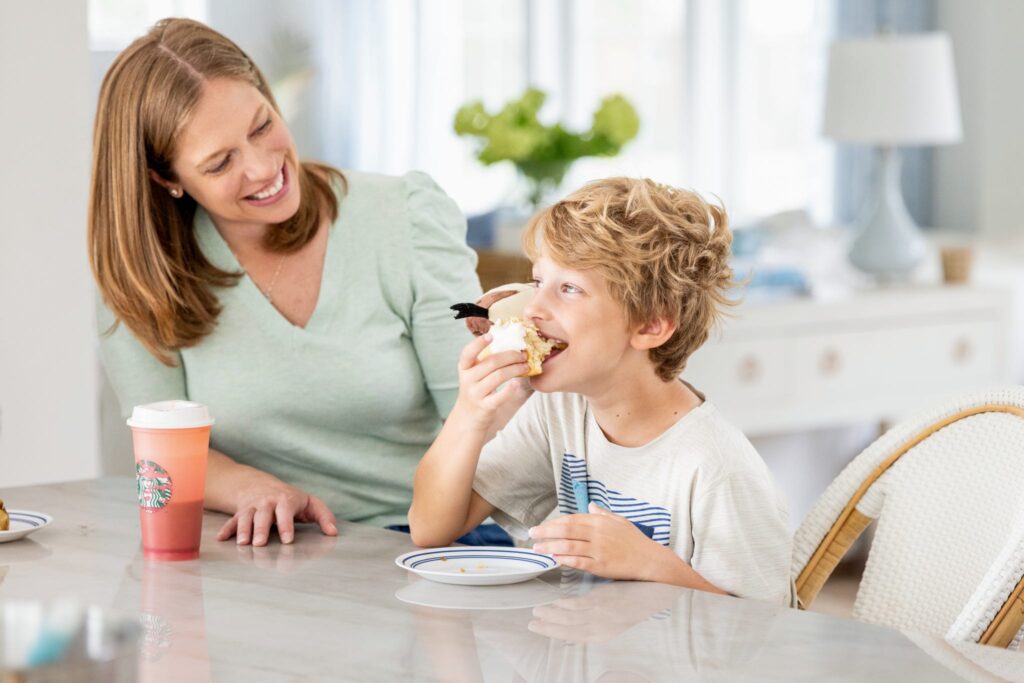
x=476 y=565
x=23 y=522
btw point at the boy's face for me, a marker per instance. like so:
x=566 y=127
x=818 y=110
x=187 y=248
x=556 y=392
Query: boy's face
x=576 y=307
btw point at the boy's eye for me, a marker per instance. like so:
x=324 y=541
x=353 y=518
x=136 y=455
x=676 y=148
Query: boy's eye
x=221 y=166
x=535 y=282
x=571 y=289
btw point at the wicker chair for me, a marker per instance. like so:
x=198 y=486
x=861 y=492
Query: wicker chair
x=945 y=488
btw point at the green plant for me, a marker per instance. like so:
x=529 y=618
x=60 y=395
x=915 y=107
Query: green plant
x=542 y=153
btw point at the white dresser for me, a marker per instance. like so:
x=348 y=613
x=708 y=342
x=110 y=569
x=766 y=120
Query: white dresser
x=876 y=355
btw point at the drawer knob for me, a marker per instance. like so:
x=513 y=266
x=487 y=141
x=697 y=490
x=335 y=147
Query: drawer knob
x=830 y=362
x=962 y=351
x=749 y=370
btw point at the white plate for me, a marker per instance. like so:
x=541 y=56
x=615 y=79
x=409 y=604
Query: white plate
x=523 y=595
x=23 y=522
x=476 y=565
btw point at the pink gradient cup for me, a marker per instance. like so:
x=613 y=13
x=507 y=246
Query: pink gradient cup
x=171 y=440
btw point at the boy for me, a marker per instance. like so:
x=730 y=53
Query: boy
x=652 y=482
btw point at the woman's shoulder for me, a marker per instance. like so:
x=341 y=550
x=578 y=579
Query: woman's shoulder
x=371 y=186
x=411 y=207
x=367 y=182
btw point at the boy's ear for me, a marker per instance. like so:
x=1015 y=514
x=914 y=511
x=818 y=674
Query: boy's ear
x=653 y=334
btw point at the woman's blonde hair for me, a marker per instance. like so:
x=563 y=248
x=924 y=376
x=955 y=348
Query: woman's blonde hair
x=663 y=252
x=144 y=255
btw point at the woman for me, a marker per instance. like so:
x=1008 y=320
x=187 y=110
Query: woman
x=307 y=308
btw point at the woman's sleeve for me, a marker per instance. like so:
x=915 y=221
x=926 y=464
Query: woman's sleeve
x=443 y=272
x=135 y=374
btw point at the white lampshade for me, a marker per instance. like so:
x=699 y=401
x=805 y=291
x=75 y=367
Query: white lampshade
x=894 y=90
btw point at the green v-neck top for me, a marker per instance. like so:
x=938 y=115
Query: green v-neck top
x=345 y=407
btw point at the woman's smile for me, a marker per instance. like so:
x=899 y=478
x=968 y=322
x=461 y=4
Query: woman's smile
x=274 y=192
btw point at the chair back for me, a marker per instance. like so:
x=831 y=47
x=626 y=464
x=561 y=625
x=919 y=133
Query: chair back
x=943 y=488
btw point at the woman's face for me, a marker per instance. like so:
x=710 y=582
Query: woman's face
x=236 y=158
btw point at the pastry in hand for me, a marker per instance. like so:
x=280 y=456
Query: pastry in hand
x=5 y=519
x=500 y=313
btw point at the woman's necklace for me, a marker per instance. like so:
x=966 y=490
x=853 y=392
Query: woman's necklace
x=269 y=291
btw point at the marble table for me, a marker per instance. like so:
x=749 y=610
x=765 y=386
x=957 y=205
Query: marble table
x=339 y=609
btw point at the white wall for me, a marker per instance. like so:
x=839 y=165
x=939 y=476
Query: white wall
x=978 y=183
x=48 y=368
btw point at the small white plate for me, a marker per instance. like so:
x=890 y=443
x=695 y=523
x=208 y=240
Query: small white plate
x=23 y=522
x=532 y=593
x=476 y=565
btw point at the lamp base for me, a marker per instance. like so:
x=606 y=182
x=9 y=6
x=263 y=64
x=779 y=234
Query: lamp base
x=889 y=244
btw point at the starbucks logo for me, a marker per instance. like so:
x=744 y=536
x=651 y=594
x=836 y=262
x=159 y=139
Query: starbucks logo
x=155 y=485
x=157 y=636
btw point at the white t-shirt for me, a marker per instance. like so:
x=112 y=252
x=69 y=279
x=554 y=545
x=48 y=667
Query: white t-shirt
x=700 y=488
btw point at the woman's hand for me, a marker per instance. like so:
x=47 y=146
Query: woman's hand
x=270 y=502
x=479 y=403
x=258 y=500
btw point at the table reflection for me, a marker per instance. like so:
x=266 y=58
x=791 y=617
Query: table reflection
x=168 y=597
x=595 y=631
x=278 y=557
x=977 y=663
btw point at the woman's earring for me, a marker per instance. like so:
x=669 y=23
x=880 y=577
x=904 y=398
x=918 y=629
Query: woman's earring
x=176 y=192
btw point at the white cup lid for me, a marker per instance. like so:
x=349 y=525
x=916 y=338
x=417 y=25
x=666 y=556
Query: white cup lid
x=170 y=415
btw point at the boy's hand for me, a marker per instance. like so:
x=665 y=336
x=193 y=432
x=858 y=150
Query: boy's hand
x=602 y=543
x=478 y=400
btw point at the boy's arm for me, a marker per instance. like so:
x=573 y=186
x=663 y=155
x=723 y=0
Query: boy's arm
x=667 y=567
x=609 y=545
x=444 y=505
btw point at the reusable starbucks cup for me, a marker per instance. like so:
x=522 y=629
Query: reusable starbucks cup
x=171 y=440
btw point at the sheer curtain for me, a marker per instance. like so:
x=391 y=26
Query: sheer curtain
x=395 y=71
x=729 y=92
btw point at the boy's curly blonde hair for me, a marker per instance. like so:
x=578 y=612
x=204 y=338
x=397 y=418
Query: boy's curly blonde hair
x=664 y=253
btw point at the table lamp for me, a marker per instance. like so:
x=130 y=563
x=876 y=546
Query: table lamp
x=891 y=91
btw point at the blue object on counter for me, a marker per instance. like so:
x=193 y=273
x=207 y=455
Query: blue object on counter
x=480 y=230
x=778 y=277
x=746 y=242
x=768 y=281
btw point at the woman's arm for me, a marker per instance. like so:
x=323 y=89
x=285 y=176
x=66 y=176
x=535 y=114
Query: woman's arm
x=258 y=500
x=439 y=269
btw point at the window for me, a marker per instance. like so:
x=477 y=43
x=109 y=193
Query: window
x=729 y=92
x=780 y=160
x=638 y=51
x=113 y=24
